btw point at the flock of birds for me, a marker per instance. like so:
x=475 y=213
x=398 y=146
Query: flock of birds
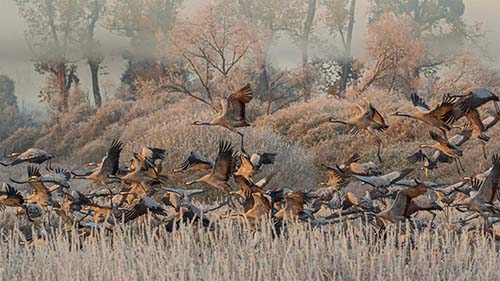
x=140 y=189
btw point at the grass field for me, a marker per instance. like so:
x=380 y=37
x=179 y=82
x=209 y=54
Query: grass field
x=231 y=251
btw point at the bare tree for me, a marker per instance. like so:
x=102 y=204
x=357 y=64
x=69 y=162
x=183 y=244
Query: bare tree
x=301 y=33
x=211 y=51
x=340 y=19
x=143 y=21
x=94 y=10
x=394 y=51
x=52 y=28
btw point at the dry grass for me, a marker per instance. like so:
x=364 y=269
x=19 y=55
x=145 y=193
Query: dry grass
x=326 y=143
x=303 y=139
x=144 y=252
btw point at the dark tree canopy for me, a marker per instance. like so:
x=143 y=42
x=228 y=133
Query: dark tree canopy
x=8 y=107
x=430 y=15
x=7 y=92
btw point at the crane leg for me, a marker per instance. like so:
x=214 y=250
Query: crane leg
x=379 y=147
x=433 y=217
x=483 y=146
x=460 y=164
x=458 y=168
x=379 y=143
x=230 y=202
x=242 y=139
x=444 y=133
x=497 y=109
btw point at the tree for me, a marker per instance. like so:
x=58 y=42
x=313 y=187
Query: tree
x=9 y=112
x=143 y=21
x=271 y=18
x=393 y=53
x=339 y=19
x=439 y=23
x=53 y=25
x=302 y=35
x=211 y=54
x=93 y=13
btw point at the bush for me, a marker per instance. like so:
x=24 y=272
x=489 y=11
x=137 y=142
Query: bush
x=171 y=129
x=326 y=143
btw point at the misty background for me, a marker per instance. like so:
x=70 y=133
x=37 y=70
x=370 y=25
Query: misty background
x=16 y=58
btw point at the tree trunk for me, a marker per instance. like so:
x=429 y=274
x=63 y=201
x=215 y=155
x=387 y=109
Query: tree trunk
x=63 y=87
x=94 y=70
x=346 y=63
x=311 y=13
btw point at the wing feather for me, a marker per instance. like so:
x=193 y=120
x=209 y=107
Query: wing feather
x=237 y=101
x=224 y=163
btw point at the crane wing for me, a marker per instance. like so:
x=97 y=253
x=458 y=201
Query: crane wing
x=237 y=101
x=224 y=163
x=419 y=103
x=110 y=163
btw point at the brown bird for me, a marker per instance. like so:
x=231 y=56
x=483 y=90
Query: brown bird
x=233 y=112
x=431 y=161
x=32 y=155
x=423 y=203
x=294 y=206
x=384 y=181
x=155 y=155
x=195 y=162
x=447 y=148
x=466 y=105
x=259 y=209
x=352 y=166
x=470 y=100
x=478 y=127
x=99 y=213
x=10 y=197
x=144 y=206
x=222 y=169
x=433 y=117
x=249 y=165
x=105 y=172
x=142 y=171
x=367 y=118
x=58 y=177
x=482 y=201
x=398 y=210
x=337 y=178
x=40 y=194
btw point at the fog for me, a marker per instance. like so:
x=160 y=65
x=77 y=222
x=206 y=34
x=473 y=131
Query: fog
x=15 y=56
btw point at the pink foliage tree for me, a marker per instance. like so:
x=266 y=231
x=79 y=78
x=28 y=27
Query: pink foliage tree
x=211 y=55
x=393 y=54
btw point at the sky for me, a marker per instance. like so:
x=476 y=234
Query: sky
x=16 y=60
